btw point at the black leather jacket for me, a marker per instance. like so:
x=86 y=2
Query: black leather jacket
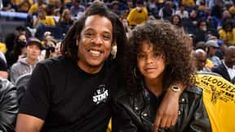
x=136 y=113
x=8 y=106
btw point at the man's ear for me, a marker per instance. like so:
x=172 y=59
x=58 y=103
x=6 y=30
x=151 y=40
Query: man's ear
x=114 y=50
x=77 y=42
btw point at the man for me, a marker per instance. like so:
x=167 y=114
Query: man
x=212 y=48
x=27 y=65
x=200 y=57
x=227 y=68
x=137 y=15
x=76 y=9
x=73 y=92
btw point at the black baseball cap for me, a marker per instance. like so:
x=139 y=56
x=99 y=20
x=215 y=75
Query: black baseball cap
x=35 y=41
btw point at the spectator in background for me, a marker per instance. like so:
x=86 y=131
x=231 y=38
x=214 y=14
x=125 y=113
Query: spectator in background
x=36 y=6
x=190 y=24
x=56 y=52
x=12 y=37
x=18 y=50
x=226 y=16
x=212 y=49
x=27 y=64
x=227 y=68
x=167 y=10
x=189 y=4
x=43 y=19
x=3 y=69
x=65 y=21
x=182 y=12
x=200 y=59
x=137 y=15
x=49 y=46
x=227 y=32
x=114 y=6
x=176 y=20
x=153 y=8
x=24 y=5
x=76 y=9
x=201 y=33
x=7 y=5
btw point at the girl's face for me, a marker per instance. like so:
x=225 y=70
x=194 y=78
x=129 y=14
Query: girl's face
x=176 y=20
x=151 y=63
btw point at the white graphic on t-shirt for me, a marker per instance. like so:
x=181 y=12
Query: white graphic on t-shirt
x=100 y=95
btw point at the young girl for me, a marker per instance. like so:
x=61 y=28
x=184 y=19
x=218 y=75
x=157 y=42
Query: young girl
x=159 y=56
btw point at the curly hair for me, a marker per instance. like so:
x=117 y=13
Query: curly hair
x=174 y=44
x=68 y=46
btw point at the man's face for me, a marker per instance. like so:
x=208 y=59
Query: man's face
x=201 y=61
x=94 y=46
x=203 y=26
x=33 y=51
x=230 y=57
x=139 y=8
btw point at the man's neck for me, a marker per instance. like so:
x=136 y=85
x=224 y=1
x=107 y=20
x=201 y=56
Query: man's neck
x=89 y=69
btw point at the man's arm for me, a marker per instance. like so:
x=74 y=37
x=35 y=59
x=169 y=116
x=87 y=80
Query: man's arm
x=28 y=123
x=167 y=113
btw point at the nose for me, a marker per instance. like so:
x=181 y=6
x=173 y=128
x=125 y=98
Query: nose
x=149 y=59
x=98 y=40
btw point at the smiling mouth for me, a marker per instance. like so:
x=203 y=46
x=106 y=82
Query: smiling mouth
x=95 y=53
x=149 y=69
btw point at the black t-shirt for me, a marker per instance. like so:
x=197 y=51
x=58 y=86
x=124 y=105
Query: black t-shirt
x=67 y=98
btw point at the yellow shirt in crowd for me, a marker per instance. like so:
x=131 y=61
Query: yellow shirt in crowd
x=48 y=21
x=228 y=37
x=135 y=17
x=188 y=3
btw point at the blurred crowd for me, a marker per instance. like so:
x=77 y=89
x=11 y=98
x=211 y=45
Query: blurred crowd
x=210 y=23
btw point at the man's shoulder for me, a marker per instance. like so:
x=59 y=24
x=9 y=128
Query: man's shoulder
x=18 y=64
x=220 y=67
x=57 y=64
x=54 y=61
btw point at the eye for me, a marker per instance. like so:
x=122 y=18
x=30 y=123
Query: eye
x=107 y=37
x=89 y=34
x=157 y=54
x=141 y=56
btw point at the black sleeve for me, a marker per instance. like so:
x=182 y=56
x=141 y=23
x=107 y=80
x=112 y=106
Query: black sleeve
x=36 y=99
x=8 y=106
x=121 y=120
x=3 y=65
x=200 y=121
